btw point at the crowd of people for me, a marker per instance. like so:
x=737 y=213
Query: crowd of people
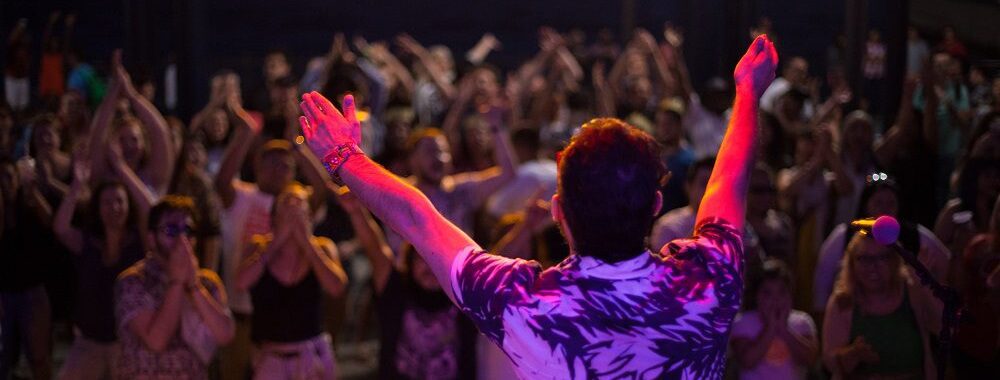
x=218 y=247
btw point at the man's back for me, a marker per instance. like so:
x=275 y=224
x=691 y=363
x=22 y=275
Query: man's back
x=652 y=316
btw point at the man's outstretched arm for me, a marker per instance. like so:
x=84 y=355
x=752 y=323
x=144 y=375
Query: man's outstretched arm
x=401 y=206
x=725 y=196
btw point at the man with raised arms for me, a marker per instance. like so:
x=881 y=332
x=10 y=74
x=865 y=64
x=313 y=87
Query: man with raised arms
x=612 y=309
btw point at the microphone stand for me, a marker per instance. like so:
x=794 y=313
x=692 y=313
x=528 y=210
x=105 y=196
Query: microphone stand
x=951 y=314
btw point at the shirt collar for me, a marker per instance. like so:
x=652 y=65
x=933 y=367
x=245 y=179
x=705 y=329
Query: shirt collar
x=156 y=267
x=639 y=266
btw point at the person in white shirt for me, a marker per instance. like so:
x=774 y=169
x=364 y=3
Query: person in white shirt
x=795 y=73
x=771 y=340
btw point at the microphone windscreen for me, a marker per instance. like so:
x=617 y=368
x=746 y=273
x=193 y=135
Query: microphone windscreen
x=885 y=230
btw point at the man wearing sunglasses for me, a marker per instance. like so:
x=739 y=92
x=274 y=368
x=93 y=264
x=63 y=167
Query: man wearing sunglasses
x=171 y=315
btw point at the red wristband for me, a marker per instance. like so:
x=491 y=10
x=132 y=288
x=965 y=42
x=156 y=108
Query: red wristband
x=336 y=158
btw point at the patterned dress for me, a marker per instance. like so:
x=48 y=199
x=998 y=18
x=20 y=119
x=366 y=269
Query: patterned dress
x=655 y=316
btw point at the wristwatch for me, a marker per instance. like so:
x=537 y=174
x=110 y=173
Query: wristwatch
x=337 y=157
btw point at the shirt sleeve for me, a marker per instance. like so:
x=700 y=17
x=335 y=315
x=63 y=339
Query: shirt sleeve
x=720 y=242
x=484 y=285
x=213 y=284
x=131 y=299
x=715 y=254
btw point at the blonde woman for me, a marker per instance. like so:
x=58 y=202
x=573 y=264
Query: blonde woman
x=879 y=320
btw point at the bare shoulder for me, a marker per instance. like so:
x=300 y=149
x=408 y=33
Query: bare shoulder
x=208 y=277
x=133 y=273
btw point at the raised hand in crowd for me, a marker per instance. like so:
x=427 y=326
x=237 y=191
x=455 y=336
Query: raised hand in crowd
x=725 y=196
x=437 y=74
x=152 y=163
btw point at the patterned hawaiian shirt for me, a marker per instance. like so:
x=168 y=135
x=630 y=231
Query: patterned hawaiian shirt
x=143 y=287
x=658 y=315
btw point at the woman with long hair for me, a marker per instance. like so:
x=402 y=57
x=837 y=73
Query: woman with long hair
x=880 y=196
x=110 y=243
x=879 y=320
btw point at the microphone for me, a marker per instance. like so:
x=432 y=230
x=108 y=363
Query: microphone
x=885 y=229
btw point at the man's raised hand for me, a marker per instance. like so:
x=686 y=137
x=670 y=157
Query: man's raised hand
x=324 y=127
x=755 y=71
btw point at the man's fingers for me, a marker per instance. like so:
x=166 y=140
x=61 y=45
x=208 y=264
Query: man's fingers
x=306 y=128
x=304 y=106
x=350 y=110
x=773 y=51
x=758 y=45
x=324 y=105
x=316 y=104
x=308 y=108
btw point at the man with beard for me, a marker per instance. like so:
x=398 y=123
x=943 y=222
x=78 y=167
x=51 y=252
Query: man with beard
x=171 y=315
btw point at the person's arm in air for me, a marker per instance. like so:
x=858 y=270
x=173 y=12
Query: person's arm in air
x=725 y=195
x=452 y=124
x=68 y=235
x=371 y=238
x=381 y=55
x=161 y=151
x=488 y=181
x=137 y=190
x=487 y=43
x=436 y=72
x=673 y=51
x=889 y=147
x=616 y=76
x=236 y=152
x=604 y=102
x=100 y=128
x=841 y=182
x=401 y=206
x=661 y=71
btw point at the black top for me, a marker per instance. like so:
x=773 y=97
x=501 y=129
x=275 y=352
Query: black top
x=423 y=335
x=25 y=248
x=285 y=313
x=94 y=309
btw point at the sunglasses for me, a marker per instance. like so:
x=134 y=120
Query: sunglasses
x=175 y=230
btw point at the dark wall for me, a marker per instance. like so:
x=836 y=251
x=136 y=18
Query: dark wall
x=206 y=36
